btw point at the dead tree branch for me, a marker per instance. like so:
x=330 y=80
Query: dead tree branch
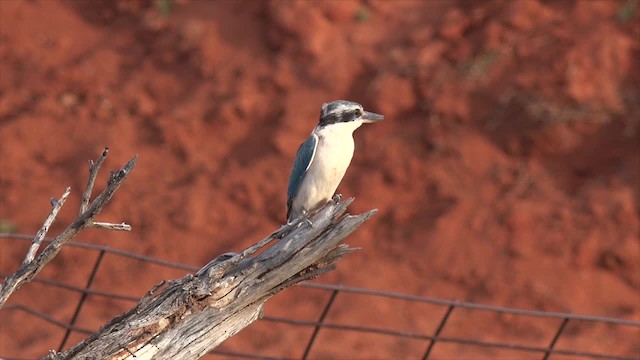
x=56 y=205
x=188 y=317
x=31 y=264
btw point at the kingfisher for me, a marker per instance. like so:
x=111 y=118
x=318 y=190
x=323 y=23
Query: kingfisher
x=324 y=157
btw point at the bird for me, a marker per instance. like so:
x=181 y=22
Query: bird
x=323 y=158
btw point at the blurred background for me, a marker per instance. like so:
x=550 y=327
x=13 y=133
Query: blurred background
x=506 y=171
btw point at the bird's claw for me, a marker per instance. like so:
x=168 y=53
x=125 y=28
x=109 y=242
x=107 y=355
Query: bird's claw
x=305 y=218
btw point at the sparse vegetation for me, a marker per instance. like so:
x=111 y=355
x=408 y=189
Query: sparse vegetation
x=362 y=15
x=627 y=11
x=164 y=7
x=7 y=226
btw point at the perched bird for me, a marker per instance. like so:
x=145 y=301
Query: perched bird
x=324 y=157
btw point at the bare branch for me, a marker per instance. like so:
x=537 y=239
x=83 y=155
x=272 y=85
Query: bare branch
x=56 y=205
x=33 y=265
x=188 y=317
x=110 y=226
x=93 y=173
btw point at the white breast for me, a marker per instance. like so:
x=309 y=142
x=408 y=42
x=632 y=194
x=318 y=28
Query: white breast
x=330 y=163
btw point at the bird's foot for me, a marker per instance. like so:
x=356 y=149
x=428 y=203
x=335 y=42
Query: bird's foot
x=305 y=218
x=336 y=198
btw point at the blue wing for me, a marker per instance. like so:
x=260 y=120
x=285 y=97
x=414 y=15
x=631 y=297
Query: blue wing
x=304 y=158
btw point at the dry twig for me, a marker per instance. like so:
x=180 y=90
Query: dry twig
x=32 y=265
x=56 y=205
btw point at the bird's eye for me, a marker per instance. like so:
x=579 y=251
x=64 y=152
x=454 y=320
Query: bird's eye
x=358 y=113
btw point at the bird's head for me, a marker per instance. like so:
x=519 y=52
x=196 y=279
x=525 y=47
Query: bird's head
x=346 y=112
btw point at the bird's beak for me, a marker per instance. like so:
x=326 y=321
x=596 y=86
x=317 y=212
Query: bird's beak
x=370 y=117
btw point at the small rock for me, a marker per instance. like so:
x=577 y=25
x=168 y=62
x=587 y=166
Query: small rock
x=431 y=54
x=69 y=100
x=455 y=24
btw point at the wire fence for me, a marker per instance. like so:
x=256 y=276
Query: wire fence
x=431 y=340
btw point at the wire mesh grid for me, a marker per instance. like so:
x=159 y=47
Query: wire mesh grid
x=430 y=340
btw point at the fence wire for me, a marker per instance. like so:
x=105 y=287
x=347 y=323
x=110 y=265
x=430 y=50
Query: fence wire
x=431 y=340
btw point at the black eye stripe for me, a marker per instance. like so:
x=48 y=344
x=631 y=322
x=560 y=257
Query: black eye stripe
x=334 y=115
x=348 y=116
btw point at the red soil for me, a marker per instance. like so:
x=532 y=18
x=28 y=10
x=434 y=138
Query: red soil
x=506 y=171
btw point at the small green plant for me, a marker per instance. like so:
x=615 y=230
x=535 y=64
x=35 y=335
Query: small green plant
x=6 y=226
x=627 y=11
x=164 y=7
x=362 y=15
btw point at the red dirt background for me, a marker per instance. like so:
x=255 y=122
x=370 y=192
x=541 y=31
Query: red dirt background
x=506 y=171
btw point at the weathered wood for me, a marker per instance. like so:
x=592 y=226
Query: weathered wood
x=191 y=316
